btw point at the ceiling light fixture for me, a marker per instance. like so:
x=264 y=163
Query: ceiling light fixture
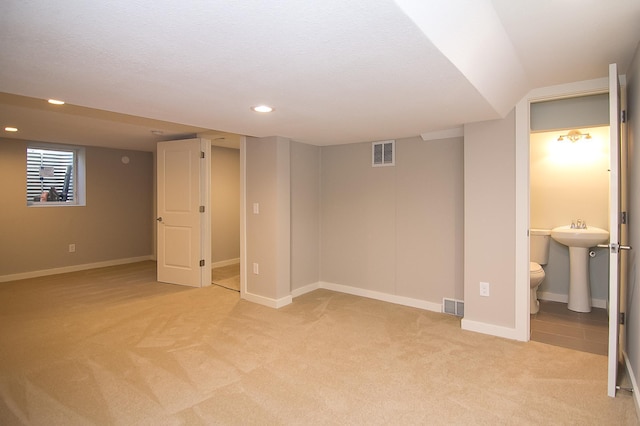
x=262 y=108
x=55 y=102
x=10 y=129
x=574 y=136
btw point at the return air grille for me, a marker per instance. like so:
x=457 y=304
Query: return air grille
x=383 y=153
x=453 y=307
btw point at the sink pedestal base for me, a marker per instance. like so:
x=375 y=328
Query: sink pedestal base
x=579 y=288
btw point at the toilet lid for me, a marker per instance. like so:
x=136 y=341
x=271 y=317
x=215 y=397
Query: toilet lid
x=534 y=267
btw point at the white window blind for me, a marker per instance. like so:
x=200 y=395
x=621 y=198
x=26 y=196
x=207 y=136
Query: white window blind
x=51 y=171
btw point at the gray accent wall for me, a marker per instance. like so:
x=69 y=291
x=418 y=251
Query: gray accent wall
x=396 y=230
x=574 y=112
x=116 y=223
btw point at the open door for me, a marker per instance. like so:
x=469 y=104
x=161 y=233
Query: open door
x=615 y=215
x=180 y=217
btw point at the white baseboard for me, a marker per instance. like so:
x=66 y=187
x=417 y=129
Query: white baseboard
x=564 y=298
x=304 y=290
x=227 y=262
x=266 y=301
x=385 y=297
x=491 y=329
x=634 y=383
x=73 y=268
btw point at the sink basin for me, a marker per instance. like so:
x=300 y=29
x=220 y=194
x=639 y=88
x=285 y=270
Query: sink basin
x=585 y=238
x=579 y=241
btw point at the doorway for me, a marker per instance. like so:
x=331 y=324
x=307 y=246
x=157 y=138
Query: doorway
x=569 y=183
x=225 y=217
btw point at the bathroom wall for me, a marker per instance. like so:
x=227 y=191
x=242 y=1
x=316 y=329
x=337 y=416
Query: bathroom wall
x=570 y=181
x=225 y=205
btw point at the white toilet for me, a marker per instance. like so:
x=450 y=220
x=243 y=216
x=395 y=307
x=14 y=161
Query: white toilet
x=539 y=255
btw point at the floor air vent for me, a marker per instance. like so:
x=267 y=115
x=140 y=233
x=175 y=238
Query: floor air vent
x=453 y=307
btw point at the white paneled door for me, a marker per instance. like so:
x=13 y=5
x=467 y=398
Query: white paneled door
x=179 y=226
x=615 y=185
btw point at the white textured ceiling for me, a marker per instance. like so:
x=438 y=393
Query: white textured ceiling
x=336 y=71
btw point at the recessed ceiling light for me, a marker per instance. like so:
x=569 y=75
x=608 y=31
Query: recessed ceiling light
x=262 y=108
x=10 y=129
x=55 y=102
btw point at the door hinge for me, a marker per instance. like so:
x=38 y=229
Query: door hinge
x=623 y=218
x=202 y=262
x=621 y=318
x=201 y=209
x=623 y=116
x=201 y=154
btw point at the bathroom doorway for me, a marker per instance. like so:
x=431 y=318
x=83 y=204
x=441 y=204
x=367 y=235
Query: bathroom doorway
x=569 y=182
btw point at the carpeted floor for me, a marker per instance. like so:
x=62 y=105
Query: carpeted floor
x=227 y=277
x=112 y=346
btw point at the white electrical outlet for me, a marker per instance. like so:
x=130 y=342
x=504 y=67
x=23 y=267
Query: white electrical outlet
x=484 y=289
x=256 y=208
x=256 y=269
x=72 y=248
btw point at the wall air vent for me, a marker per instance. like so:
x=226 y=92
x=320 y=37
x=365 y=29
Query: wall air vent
x=383 y=153
x=453 y=307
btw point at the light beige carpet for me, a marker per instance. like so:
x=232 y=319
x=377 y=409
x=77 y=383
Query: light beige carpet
x=112 y=346
x=227 y=277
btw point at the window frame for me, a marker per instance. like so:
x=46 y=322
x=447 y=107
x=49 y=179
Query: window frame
x=78 y=172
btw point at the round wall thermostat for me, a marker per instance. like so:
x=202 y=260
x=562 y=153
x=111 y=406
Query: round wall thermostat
x=125 y=160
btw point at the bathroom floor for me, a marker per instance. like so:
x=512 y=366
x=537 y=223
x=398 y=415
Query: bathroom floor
x=556 y=325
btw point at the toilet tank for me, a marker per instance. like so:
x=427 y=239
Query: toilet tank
x=539 y=245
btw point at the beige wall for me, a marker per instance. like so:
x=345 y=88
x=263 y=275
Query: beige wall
x=305 y=215
x=268 y=233
x=633 y=301
x=116 y=222
x=570 y=181
x=396 y=230
x=489 y=221
x=225 y=204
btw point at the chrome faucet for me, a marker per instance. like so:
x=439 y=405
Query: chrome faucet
x=579 y=224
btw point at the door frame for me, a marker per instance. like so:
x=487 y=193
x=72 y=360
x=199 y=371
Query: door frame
x=206 y=229
x=523 y=114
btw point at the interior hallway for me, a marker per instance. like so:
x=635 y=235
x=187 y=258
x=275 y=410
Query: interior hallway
x=113 y=346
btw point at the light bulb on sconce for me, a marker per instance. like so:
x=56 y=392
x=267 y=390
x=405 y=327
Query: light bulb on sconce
x=574 y=136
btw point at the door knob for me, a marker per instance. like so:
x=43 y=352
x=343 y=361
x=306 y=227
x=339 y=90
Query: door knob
x=159 y=218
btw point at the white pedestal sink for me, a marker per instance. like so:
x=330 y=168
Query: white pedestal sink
x=579 y=241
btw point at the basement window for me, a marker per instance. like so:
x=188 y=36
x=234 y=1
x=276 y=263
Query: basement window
x=383 y=153
x=55 y=175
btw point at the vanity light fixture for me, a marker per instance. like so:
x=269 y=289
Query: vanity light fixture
x=55 y=102
x=262 y=108
x=574 y=136
x=10 y=129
